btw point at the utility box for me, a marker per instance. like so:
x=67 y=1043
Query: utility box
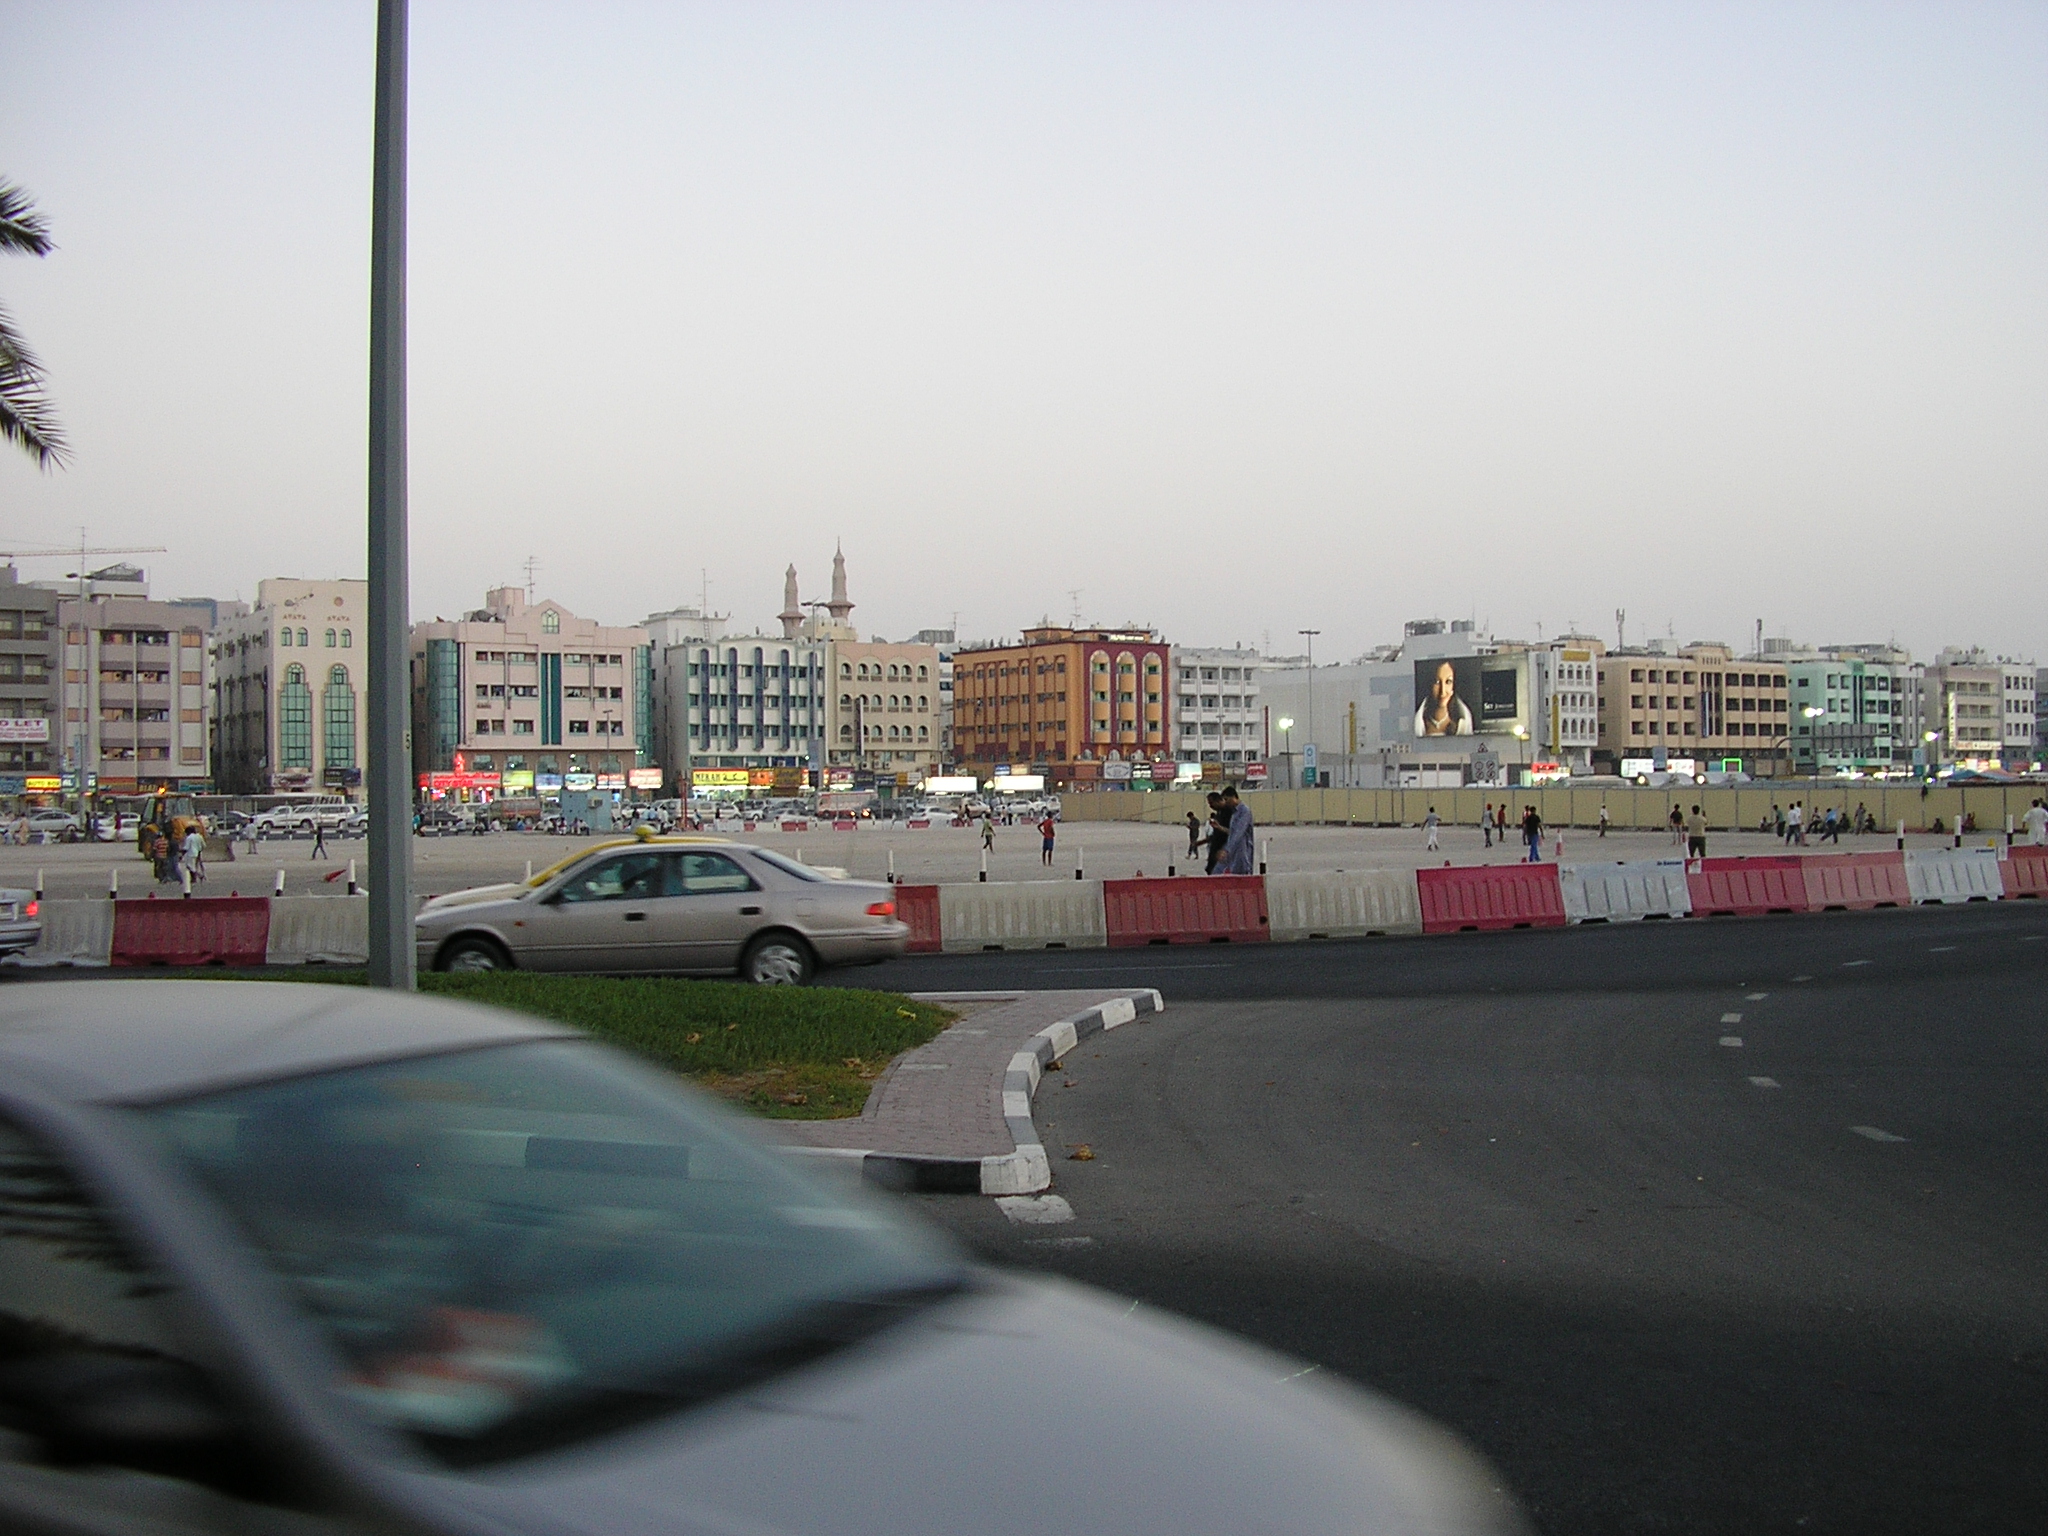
x=588 y=808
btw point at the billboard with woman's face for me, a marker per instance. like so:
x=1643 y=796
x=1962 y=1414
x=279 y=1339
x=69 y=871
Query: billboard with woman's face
x=1469 y=696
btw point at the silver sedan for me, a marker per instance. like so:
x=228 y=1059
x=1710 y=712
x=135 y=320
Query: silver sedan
x=667 y=905
x=21 y=921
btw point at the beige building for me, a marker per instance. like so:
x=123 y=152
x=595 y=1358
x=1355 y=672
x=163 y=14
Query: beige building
x=288 y=689
x=1699 y=701
x=521 y=698
x=883 y=708
x=134 y=688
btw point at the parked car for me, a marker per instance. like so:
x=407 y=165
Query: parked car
x=682 y=905
x=303 y=820
x=288 y=1258
x=54 y=826
x=21 y=921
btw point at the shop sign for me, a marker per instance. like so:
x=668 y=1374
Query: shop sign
x=1191 y=773
x=718 y=778
x=516 y=781
x=644 y=778
x=13 y=784
x=788 y=781
x=579 y=781
x=1165 y=773
x=1254 y=773
x=760 y=778
x=1116 y=770
x=952 y=784
x=14 y=729
x=1017 y=783
x=546 y=783
x=610 y=781
x=443 y=783
x=45 y=783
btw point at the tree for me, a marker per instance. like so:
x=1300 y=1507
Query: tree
x=26 y=417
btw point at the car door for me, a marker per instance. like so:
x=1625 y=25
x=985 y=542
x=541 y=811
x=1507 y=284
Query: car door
x=716 y=907
x=603 y=918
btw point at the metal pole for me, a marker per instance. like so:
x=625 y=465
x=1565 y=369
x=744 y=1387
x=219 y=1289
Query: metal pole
x=388 y=778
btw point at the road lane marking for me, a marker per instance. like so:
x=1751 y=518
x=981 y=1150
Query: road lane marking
x=1732 y=1040
x=1941 y=949
x=1874 y=1133
x=1731 y=1018
x=1035 y=1210
x=1754 y=997
x=1059 y=1242
x=1307 y=1370
x=1847 y=963
x=1765 y=1082
x=1802 y=978
x=2030 y=938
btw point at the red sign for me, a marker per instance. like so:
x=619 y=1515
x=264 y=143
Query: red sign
x=441 y=783
x=1163 y=773
x=1255 y=773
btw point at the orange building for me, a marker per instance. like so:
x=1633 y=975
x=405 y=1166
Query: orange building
x=1063 y=696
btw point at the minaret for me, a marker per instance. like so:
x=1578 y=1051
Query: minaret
x=841 y=605
x=792 y=616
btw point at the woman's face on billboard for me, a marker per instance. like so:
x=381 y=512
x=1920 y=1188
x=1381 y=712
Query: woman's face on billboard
x=1445 y=688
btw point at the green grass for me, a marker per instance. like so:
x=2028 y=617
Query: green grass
x=790 y=1053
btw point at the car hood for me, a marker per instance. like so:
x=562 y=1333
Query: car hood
x=470 y=898
x=1026 y=1407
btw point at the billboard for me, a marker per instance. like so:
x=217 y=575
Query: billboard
x=14 y=729
x=644 y=778
x=1470 y=696
x=1017 y=783
x=952 y=784
x=718 y=778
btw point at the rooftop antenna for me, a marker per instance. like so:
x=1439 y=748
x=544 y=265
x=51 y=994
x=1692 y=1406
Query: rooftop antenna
x=703 y=592
x=1074 y=597
x=532 y=565
x=1620 y=629
x=1759 y=638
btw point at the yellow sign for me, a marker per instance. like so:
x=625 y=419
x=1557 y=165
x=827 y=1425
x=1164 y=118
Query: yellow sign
x=35 y=784
x=718 y=778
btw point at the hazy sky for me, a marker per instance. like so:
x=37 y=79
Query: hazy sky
x=1238 y=319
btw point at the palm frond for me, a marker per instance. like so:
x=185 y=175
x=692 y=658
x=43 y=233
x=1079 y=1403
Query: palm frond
x=21 y=227
x=26 y=417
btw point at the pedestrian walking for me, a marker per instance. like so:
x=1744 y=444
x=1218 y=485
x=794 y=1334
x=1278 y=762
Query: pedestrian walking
x=1795 y=824
x=1778 y=820
x=1219 y=831
x=1532 y=833
x=2037 y=824
x=1194 y=834
x=1831 y=827
x=1046 y=828
x=1237 y=844
x=194 y=851
x=1500 y=823
x=988 y=834
x=1677 y=823
x=1429 y=825
x=1603 y=818
x=1696 y=834
x=319 y=841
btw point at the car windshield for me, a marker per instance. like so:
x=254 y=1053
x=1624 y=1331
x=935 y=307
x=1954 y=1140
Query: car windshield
x=515 y=1247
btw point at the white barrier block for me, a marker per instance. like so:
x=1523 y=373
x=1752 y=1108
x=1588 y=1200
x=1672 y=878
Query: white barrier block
x=319 y=930
x=1948 y=875
x=1022 y=914
x=1332 y=904
x=1625 y=893
x=74 y=933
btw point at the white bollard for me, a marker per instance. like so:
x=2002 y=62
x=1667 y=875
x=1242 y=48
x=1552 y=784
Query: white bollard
x=2008 y=843
x=113 y=885
x=984 y=866
x=529 y=869
x=39 y=873
x=892 y=866
x=351 y=877
x=1902 y=834
x=278 y=889
x=1080 y=861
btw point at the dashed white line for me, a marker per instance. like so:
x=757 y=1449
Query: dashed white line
x=1307 y=1370
x=1874 y=1133
x=1732 y=1040
x=1846 y=964
x=1754 y=997
x=1941 y=949
x=2030 y=938
x=1731 y=1018
x=1802 y=978
x=1764 y=1082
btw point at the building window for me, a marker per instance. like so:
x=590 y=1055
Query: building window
x=295 y=720
x=338 y=721
x=550 y=622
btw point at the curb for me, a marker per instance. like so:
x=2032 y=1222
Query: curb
x=1027 y=1169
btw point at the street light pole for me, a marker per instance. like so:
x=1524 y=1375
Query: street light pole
x=1311 y=635
x=387 y=777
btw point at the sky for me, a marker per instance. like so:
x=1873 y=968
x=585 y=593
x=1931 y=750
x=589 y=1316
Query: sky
x=1234 y=320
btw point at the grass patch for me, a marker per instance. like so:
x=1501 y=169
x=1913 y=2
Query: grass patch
x=790 y=1053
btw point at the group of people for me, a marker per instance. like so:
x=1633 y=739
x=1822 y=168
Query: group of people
x=1493 y=824
x=171 y=858
x=1228 y=835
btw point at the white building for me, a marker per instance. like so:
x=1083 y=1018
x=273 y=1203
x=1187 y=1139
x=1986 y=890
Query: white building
x=743 y=702
x=1217 y=706
x=288 y=680
x=2020 y=696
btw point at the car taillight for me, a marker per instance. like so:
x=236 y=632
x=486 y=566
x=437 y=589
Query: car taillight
x=36 y=906
x=881 y=909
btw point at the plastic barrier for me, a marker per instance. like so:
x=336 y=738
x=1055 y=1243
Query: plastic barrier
x=1022 y=914
x=1624 y=893
x=1855 y=882
x=796 y=826
x=1747 y=887
x=2024 y=873
x=1342 y=904
x=319 y=930
x=1205 y=909
x=1949 y=875
x=1489 y=898
x=847 y=825
x=918 y=905
x=205 y=930
x=918 y=823
x=74 y=933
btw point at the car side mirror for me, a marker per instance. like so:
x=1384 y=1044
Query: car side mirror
x=92 y=1406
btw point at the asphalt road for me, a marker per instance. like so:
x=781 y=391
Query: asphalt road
x=1533 y=1185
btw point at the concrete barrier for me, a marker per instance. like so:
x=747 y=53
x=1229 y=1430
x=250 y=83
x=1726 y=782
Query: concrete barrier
x=2024 y=872
x=1490 y=898
x=319 y=930
x=1022 y=914
x=1747 y=887
x=1856 y=882
x=204 y=930
x=1342 y=904
x=1205 y=909
x=1948 y=875
x=1624 y=892
x=918 y=905
x=74 y=933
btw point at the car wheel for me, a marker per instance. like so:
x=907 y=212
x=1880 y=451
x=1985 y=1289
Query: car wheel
x=777 y=960
x=473 y=955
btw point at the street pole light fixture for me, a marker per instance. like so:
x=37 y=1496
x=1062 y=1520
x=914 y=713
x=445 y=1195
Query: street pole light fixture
x=1310 y=636
x=1286 y=724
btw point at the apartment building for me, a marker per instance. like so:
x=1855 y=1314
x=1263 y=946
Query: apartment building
x=30 y=713
x=1854 y=710
x=883 y=708
x=289 y=710
x=134 y=689
x=1217 y=709
x=1063 y=695
x=1698 y=701
x=522 y=697
x=744 y=702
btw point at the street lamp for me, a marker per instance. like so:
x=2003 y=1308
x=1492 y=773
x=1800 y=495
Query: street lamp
x=1310 y=635
x=1286 y=724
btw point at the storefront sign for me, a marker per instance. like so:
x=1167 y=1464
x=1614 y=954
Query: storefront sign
x=1116 y=770
x=718 y=778
x=579 y=781
x=1017 y=783
x=1255 y=773
x=1165 y=773
x=517 y=781
x=443 y=783
x=610 y=781
x=644 y=778
x=12 y=729
x=547 y=783
x=952 y=784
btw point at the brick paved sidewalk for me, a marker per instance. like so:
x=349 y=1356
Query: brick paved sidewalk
x=945 y=1099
